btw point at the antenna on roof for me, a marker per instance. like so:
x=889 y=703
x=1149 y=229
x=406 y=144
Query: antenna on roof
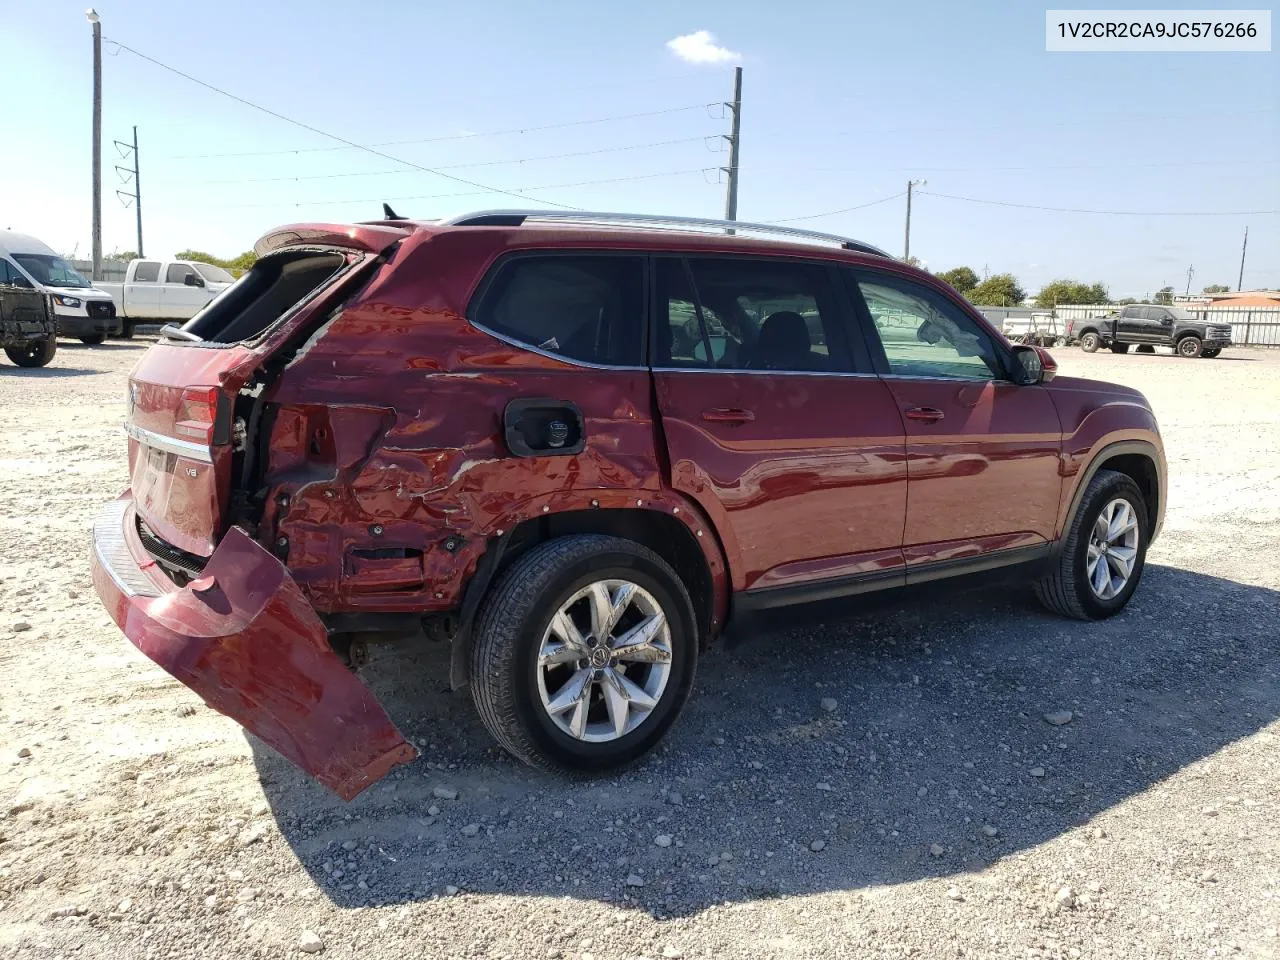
x=389 y=214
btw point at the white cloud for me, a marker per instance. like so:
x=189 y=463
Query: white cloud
x=701 y=47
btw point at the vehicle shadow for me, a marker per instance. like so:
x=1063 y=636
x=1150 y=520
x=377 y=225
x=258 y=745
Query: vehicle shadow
x=938 y=731
x=45 y=373
x=137 y=343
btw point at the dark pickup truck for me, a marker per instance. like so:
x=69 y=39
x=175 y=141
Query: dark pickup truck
x=28 y=327
x=1153 y=325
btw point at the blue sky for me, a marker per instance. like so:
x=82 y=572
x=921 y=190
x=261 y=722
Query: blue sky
x=843 y=103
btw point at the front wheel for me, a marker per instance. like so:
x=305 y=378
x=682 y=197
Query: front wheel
x=1190 y=347
x=94 y=339
x=1102 y=552
x=584 y=653
x=34 y=353
x=1090 y=342
x=127 y=329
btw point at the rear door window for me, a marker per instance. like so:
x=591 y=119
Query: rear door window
x=581 y=307
x=147 y=271
x=748 y=314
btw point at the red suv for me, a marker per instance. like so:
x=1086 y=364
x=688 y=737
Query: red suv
x=578 y=447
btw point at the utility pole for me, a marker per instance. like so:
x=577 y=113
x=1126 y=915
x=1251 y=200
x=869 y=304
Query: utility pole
x=731 y=196
x=1243 y=247
x=906 y=245
x=1190 y=272
x=93 y=18
x=125 y=173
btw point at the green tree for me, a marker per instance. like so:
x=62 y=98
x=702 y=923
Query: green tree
x=1163 y=295
x=1217 y=288
x=1125 y=301
x=962 y=278
x=236 y=266
x=125 y=255
x=1071 y=291
x=998 y=290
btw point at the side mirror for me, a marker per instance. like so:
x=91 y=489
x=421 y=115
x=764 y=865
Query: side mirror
x=193 y=280
x=20 y=281
x=1036 y=363
x=928 y=332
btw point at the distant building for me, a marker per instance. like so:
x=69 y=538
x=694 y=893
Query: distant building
x=1239 y=298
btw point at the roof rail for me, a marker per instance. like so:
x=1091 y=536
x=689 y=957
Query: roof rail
x=515 y=218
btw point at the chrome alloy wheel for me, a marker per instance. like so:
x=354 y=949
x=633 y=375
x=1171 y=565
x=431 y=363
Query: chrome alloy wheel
x=604 y=661
x=1113 y=549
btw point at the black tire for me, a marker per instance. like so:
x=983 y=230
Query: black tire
x=94 y=340
x=1189 y=347
x=1066 y=589
x=34 y=353
x=1209 y=353
x=509 y=629
x=126 y=329
x=1119 y=348
x=1144 y=348
x=1090 y=342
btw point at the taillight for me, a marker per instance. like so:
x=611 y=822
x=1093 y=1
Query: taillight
x=198 y=413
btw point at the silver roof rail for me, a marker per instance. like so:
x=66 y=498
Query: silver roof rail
x=515 y=218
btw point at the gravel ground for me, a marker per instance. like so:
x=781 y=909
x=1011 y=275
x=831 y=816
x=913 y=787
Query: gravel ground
x=891 y=785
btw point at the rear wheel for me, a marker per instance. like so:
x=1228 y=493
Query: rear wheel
x=1210 y=352
x=34 y=353
x=1103 y=551
x=1190 y=347
x=94 y=340
x=1119 y=348
x=583 y=653
x=1090 y=342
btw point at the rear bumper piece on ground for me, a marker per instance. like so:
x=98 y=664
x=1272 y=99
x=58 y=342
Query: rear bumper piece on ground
x=246 y=640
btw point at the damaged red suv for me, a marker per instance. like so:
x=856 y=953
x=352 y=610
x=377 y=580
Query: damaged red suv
x=578 y=448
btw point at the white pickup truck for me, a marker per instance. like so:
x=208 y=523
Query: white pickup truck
x=159 y=290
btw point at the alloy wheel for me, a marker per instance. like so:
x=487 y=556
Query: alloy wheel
x=1113 y=549
x=604 y=661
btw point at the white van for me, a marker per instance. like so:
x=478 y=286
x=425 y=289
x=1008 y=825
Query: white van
x=82 y=310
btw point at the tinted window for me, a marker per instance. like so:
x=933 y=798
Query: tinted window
x=588 y=308
x=6 y=272
x=754 y=315
x=924 y=335
x=1130 y=312
x=178 y=273
x=147 y=271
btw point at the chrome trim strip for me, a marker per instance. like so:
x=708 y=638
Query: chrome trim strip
x=530 y=348
x=183 y=448
x=112 y=551
x=772 y=373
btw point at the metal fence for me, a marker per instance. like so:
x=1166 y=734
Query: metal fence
x=1250 y=326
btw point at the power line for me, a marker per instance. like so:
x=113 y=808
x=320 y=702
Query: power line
x=442 y=196
x=451 y=166
x=832 y=213
x=1109 y=213
x=445 y=139
x=332 y=136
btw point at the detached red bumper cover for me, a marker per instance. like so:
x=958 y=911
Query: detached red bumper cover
x=246 y=640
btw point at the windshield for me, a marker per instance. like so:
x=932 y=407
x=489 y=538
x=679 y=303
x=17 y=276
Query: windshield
x=213 y=274
x=50 y=270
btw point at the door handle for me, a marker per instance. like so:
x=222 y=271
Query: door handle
x=728 y=415
x=924 y=414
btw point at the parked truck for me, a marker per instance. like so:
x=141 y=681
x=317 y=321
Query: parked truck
x=28 y=325
x=164 y=290
x=1151 y=325
x=80 y=308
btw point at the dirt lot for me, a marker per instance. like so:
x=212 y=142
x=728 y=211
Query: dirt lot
x=933 y=813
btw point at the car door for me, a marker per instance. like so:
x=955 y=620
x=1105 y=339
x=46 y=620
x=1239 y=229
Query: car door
x=141 y=294
x=983 y=452
x=1159 y=325
x=182 y=294
x=790 y=443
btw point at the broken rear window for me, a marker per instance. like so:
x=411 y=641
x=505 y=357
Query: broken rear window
x=274 y=286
